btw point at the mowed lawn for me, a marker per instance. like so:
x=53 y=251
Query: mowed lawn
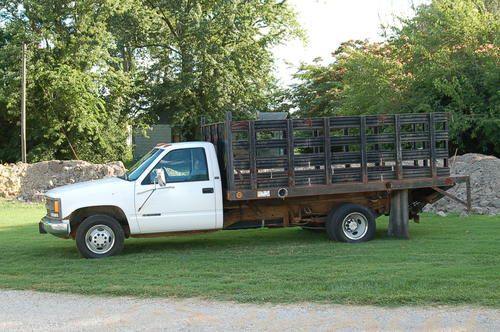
x=451 y=260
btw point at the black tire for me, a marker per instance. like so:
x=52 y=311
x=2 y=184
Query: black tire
x=107 y=233
x=340 y=219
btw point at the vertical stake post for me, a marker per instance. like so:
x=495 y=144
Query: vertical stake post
x=328 y=151
x=229 y=151
x=432 y=143
x=252 y=154
x=399 y=152
x=290 y=153
x=363 y=149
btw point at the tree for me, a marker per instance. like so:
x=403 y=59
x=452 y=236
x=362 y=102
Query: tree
x=444 y=59
x=452 y=50
x=214 y=56
x=77 y=89
x=96 y=67
x=319 y=91
x=362 y=79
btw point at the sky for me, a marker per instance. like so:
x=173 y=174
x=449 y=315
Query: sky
x=327 y=23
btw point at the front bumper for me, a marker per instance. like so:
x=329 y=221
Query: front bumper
x=59 y=228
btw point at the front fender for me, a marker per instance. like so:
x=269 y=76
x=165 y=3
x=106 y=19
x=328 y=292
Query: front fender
x=111 y=192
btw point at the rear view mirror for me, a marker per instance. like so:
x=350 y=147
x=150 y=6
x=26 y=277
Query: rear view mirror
x=160 y=177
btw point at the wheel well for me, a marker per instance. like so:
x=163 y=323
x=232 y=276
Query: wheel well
x=367 y=206
x=80 y=215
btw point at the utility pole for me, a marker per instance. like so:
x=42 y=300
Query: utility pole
x=23 y=105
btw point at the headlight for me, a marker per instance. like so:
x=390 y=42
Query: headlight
x=53 y=206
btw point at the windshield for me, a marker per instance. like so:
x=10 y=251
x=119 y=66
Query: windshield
x=135 y=171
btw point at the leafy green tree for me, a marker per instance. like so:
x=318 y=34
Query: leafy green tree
x=445 y=58
x=451 y=49
x=362 y=79
x=97 y=66
x=214 y=57
x=77 y=88
x=319 y=91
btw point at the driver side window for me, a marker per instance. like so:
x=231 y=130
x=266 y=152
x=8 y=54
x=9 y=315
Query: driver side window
x=182 y=165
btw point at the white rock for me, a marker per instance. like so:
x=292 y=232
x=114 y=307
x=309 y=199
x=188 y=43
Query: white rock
x=484 y=172
x=477 y=210
x=29 y=182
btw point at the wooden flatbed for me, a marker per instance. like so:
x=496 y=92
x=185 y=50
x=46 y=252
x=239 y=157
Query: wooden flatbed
x=298 y=170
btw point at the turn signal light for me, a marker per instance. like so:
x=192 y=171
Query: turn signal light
x=56 y=207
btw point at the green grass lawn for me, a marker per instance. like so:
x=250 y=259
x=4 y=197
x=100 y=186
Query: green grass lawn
x=452 y=260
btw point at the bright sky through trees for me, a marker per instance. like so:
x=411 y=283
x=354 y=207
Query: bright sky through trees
x=327 y=23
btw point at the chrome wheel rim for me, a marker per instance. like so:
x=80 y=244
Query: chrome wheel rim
x=100 y=239
x=355 y=226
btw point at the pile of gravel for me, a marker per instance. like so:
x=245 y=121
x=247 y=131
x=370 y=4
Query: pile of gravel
x=10 y=179
x=484 y=172
x=29 y=182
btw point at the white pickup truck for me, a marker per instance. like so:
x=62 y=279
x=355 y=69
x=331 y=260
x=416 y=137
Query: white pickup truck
x=274 y=173
x=173 y=188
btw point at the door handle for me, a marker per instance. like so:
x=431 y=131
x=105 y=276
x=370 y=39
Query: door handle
x=208 y=190
x=168 y=187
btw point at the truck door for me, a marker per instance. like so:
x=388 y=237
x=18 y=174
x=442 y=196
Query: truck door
x=187 y=200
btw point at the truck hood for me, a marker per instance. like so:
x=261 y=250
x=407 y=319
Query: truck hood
x=105 y=192
x=107 y=185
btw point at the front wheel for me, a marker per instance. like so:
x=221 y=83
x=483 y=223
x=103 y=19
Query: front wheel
x=99 y=236
x=351 y=223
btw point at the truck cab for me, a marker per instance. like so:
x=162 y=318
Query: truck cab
x=174 y=188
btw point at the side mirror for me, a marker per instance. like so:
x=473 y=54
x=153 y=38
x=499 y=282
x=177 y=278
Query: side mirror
x=160 y=177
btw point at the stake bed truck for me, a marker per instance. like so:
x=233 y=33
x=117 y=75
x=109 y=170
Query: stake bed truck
x=334 y=174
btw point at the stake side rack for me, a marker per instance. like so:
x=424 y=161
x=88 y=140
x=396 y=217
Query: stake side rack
x=279 y=159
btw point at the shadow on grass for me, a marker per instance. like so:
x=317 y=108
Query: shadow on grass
x=223 y=240
x=47 y=244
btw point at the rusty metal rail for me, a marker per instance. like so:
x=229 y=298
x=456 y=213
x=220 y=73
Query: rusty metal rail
x=459 y=179
x=353 y=153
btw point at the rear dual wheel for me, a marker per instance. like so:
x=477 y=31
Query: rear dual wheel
x=351 y=223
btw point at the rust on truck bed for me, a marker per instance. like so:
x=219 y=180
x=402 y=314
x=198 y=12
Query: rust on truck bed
x=360 y=156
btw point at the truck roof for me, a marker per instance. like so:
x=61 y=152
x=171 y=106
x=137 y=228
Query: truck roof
x=193 y=144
